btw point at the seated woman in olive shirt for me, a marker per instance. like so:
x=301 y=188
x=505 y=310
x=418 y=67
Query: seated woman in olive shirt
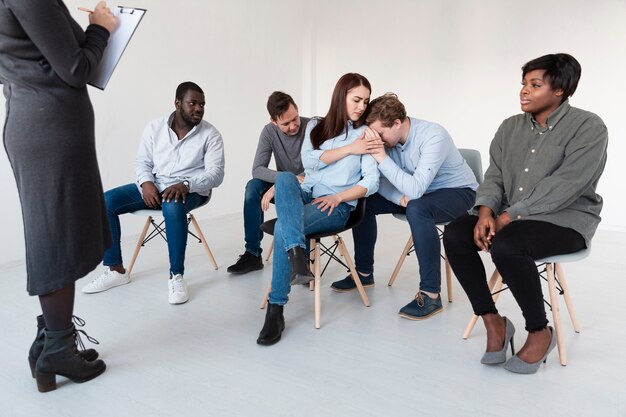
x=538 y=199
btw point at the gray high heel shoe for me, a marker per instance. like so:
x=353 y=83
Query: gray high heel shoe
x=496 y=358
x=515 y=364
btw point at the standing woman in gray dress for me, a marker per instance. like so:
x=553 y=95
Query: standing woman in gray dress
x=46 y=59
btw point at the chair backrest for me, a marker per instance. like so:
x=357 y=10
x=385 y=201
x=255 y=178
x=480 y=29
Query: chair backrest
x=473 y=159
x=356 y=216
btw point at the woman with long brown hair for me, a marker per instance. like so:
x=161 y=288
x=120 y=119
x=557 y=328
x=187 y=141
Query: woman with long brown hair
x=336 y=176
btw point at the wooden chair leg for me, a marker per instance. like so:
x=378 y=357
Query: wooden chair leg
x=566 y=295
x=204 y=244
x=312 y=263
x=318 y=281
x=405 y=251
x=556 y=314
x=357 y=280
x=448 y=278
x=495 y=285
x=269 y=253
x=142 y=236
x=266 y=297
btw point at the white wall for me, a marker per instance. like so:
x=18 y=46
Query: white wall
x=455 y=62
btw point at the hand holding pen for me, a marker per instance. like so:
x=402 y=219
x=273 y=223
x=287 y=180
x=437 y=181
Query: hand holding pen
x=101 y=16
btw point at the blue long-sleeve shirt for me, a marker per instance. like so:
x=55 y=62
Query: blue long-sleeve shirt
x=323 y=179
x=426 y=162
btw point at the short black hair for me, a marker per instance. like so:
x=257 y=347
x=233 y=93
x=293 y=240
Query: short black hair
x=182 y=89
x=278 y=103
x=562 y=71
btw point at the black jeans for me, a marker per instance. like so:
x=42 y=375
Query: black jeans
x=513 y=251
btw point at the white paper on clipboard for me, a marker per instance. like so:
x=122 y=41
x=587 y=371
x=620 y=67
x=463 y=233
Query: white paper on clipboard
x=128 y=20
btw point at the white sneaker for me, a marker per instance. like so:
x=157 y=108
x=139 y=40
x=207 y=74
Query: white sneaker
x=178 y=293
x=106 y=281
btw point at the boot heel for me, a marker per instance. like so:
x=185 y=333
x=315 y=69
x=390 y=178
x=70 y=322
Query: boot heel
x=512 y=348
x=46 y=382
x=32 y=363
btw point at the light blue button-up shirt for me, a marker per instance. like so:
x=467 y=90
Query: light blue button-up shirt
x=165 y=160
x=327 y=179
x=426 y=162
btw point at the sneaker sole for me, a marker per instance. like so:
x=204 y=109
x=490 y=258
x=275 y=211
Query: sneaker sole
x=177 y=302
x=105 y=289
x=415 y=318
x=350 y=289
x=245 y=271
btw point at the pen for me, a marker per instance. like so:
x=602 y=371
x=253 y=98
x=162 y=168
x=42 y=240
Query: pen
x=84 y=9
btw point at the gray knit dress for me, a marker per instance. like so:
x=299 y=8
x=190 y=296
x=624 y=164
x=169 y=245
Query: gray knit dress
x=45 y=61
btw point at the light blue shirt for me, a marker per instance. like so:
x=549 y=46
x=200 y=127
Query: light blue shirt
x=327 y=179
x=165 y=160
x=426 y=162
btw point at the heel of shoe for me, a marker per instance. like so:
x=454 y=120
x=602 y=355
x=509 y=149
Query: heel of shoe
x=46 y=382
x=512 y=348
x=31 y=363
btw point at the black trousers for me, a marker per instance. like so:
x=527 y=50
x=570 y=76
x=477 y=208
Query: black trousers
x=513 y=251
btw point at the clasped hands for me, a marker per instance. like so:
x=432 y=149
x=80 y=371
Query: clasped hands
x=153 y=198
x=487 y=226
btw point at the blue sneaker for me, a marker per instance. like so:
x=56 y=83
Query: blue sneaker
x=422 y=307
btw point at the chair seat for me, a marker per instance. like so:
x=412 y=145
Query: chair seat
x=147 y=212
x=568 y=257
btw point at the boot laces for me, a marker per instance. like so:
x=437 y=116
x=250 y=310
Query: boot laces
x=78 y=341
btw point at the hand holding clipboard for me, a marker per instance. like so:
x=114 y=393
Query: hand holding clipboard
x=129 y=19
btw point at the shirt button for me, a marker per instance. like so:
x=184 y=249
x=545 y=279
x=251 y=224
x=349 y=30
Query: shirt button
x=521 y=188
x=525 y=169
x=519 y=217
x=532 y=150
x=541 y=133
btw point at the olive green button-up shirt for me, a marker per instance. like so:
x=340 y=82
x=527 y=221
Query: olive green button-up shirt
x=548 y=173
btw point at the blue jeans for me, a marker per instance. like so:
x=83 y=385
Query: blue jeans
x=253 y=215
x=297 y=217
x=126 y=199
x=423 y=214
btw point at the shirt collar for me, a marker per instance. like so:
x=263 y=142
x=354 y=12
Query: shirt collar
x=552 y=119
x=170 y=119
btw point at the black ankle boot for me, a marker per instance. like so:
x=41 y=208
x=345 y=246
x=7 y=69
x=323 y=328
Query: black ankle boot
x=300 y=273
x=273 y=327
x=59 y=357
x=37 y=346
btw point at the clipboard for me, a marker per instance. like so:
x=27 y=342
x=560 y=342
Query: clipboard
x=128 y=21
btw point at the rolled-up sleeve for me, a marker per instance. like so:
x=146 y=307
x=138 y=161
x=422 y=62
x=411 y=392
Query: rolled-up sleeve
x=214 y=162
x=370 y=175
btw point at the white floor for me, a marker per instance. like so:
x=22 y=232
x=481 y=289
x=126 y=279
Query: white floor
x=201 y=359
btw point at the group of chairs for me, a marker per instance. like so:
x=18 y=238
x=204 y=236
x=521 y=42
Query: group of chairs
x=550 y=268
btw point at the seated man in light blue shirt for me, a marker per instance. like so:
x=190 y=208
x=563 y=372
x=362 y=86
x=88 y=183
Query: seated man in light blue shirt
x=424 y=176
x=179 y=161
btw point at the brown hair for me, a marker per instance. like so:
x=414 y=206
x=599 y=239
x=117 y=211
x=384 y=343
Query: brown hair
x=335 y=120
x=278 y=103
x=386 y=108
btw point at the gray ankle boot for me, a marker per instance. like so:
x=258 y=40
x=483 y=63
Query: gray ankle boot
x=37 y=346
x=59 y=357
